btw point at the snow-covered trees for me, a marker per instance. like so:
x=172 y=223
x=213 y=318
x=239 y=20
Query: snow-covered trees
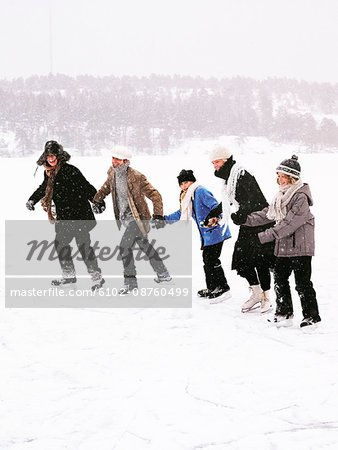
x=155 y=113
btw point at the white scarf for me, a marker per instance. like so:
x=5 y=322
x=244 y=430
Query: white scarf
x=229 y=192
x=186 y=199
x=277 y=209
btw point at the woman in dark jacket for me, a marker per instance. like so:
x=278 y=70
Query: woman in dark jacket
x=66 y=187
x=251 y=259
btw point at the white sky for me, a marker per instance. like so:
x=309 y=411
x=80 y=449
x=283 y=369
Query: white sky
x=222 y=38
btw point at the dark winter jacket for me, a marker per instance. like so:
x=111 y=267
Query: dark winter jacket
x=294 y=235
x=203 y=202
x=71 y=194
x=248 y=252
x=248 y=194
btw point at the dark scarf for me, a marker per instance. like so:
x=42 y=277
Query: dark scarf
x=224 y=171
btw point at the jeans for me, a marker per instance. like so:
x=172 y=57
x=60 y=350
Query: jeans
x=131 y=236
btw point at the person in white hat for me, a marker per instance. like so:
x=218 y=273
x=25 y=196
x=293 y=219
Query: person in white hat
x=129 y=189
x=120 y=152
x=250 y=259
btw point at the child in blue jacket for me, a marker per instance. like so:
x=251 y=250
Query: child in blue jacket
x=197 y=202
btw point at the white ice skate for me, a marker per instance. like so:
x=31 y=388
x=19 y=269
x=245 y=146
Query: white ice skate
x=265 y=302
x=254 y=300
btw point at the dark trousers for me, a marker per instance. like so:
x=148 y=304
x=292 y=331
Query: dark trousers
x=301 y=267
x=214 y=274
x=65 y=233
x=260 y=274
x=131 y=236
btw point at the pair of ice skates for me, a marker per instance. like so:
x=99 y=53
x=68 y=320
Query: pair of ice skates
x=307 y=324
x=258 y=299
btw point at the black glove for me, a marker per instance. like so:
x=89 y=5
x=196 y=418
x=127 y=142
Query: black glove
x=30 y=205
x=98 y=208
x=216 y=212
x=238 y=218
x=158 y=221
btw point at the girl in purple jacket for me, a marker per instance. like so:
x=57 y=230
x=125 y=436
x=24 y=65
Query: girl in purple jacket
x=294 y=243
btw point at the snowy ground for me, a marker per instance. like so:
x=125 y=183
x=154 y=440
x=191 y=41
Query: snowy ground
x=208 y=377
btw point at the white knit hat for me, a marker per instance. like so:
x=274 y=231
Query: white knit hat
x=220 y=152
x=120 y=152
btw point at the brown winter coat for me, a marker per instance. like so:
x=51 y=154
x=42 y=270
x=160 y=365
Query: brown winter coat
x=138 y=188
x=294 y=235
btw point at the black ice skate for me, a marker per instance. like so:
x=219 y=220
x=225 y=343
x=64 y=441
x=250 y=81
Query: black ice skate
x=98 y=284
x=64 y=281
x=204 y=293
x=310 y=323
x=282 y=321
x=128 y=289
x=219 y=294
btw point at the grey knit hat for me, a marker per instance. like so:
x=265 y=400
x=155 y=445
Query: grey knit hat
x=290 y=167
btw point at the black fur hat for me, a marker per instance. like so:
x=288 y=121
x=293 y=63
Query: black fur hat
x=290 y=167
x=186 y=175
x=53 y=148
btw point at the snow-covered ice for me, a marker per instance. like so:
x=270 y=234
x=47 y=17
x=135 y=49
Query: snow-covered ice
x=208 y=377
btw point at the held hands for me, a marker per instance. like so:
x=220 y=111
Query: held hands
x=30 y=205
x=216 y=212
x=158 y=221
x=238 y=218
x=98 y=208
x=210 y=223
x=209 y=217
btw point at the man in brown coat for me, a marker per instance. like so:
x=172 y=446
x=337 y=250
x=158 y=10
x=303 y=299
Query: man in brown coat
x=129 y=188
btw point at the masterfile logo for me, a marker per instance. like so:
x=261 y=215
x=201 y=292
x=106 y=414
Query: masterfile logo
x=38 y=252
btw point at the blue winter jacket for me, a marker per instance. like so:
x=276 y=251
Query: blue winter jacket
x=203 y=202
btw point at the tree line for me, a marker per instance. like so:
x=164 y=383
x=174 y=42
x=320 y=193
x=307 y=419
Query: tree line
x=153 y=114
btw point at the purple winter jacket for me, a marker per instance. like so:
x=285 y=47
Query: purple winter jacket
x=294 y=235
